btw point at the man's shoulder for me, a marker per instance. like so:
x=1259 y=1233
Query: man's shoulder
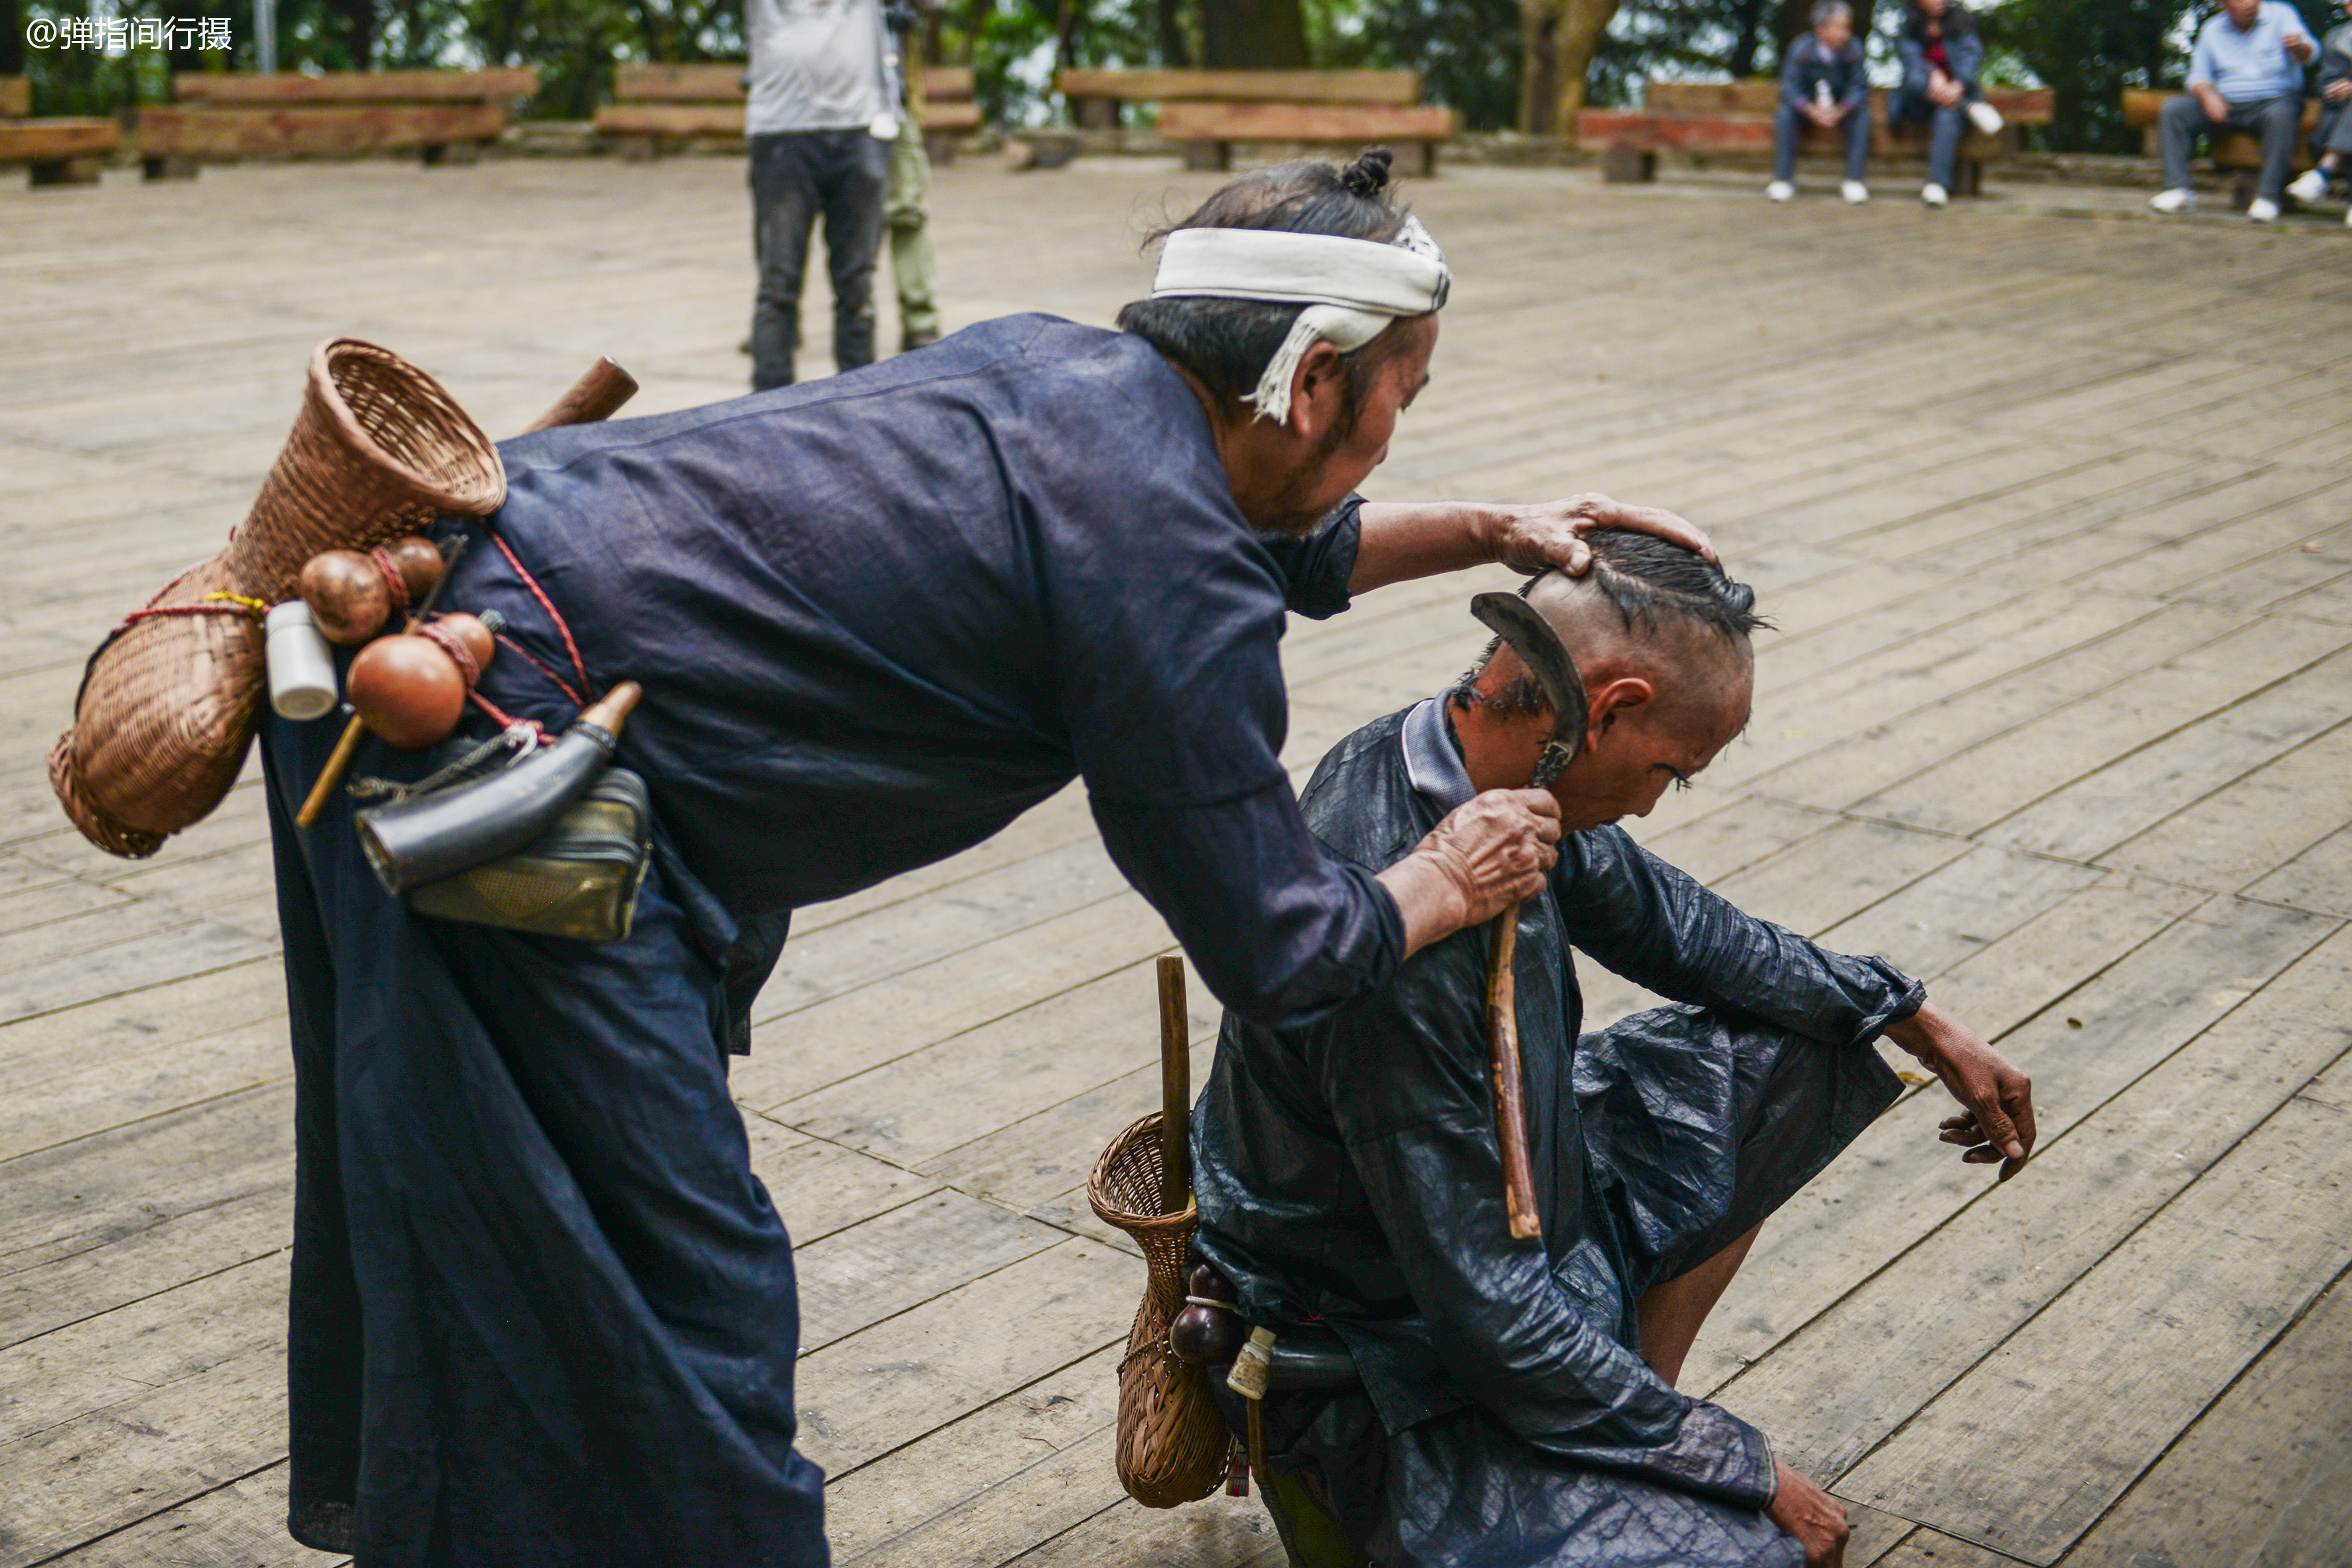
x=1360 y=801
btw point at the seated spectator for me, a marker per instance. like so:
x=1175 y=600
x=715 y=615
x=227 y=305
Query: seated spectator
x=2245 y=75
x=1823 y=83
x=2331 y=139
x=1941 y=56
x=1501 y=1401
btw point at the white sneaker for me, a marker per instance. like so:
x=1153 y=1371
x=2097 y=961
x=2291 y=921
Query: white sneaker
x=1985 y=118
x=1933 y=195
x=2262 y=209
x=1854 y=191
x=2348 y=219
x=1780 y=190
x=2173 y=201
x=2311 y=186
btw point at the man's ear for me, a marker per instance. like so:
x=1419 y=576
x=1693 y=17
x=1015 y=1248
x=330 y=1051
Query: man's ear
x=1318 y=388
x=1622 y=697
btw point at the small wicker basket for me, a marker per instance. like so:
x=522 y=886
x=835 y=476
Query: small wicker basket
x=1172 y=1442
x=171 y=702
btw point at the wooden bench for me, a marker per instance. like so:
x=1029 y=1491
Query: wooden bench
x=1735 y=117
x=1209 y=110
x=55 y=152
x=2239 y=152
x=657 y=108
x=447 y=116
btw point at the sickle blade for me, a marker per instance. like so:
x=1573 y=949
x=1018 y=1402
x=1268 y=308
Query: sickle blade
x=1554 y=671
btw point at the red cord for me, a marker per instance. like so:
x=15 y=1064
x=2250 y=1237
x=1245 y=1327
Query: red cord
x=532 y=583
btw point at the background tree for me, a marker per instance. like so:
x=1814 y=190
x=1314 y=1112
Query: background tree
x=2088 y=51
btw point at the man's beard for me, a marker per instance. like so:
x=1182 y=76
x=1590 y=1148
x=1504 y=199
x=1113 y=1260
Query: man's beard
x=1290 y=512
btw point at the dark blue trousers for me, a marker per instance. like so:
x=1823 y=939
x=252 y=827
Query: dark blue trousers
x=544 y=1314
x=1789 y=128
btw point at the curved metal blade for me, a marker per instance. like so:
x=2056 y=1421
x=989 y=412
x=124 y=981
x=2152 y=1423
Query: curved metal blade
x=1548 y=660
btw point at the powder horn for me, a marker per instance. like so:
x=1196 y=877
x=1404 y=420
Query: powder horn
x=436 y=837
x=170 y=702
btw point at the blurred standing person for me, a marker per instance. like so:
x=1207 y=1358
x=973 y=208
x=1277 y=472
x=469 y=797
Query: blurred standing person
x=914 y=268
x=2331 y=139
x=822 y=115
x=2245 y=74
x=1823 y=83
x=1941 y=56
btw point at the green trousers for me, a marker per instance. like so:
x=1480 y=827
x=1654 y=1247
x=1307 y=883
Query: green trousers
x=912 y=264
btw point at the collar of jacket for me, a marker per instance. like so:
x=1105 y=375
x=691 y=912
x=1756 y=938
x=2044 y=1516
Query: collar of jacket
x=1432 y=757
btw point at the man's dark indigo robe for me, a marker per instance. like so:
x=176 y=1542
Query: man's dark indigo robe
x=1348 y=1174
x=544 y=1314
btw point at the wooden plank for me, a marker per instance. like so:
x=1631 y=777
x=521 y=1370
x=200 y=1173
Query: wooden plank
x=1930 y=1549
x=875 y=1390
x=24 y=140
x=980 y=1489
x=856 y=1278
x=1215 y=1533
x=1815 y=885
x=1369 y=86
x=16 y=97
x=358 y=87
x=669 y=118
x=240 y=1525
x=1940 y=1307
x=2319 y=879
x=2256 y=826
x=1601 y=128
x=638 y=81
x=2263 y=1476
x=1304 y=123
x=2111 y=1371
x=313 y=131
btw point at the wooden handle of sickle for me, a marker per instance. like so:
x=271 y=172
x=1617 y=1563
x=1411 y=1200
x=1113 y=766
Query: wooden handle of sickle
x=595 y=396
x=1175 y=1091
x=1510 y=1096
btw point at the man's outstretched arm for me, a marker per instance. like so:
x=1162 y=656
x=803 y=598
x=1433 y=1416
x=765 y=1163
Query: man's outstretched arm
x=1659 y=927
x=1402 y=541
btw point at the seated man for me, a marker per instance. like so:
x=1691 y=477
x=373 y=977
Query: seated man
x=2245 y=74
x=1515 y=1401
x=2331 y=139
x=1823 y=83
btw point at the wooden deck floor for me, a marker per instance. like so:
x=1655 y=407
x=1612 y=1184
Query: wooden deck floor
x=2052 y=517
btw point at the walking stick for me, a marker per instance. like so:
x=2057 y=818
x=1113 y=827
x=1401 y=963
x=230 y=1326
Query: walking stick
x=1554 y=672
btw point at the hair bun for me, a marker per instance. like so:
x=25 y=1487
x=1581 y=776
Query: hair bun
x=1738 y=595
x=1368 y=175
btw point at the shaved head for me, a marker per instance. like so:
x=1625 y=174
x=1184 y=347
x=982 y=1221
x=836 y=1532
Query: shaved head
x=1661 y=641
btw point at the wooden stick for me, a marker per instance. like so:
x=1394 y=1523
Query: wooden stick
x=1175 y=1091
x=595 y=396
x=315 y=806
x=1510 y=1091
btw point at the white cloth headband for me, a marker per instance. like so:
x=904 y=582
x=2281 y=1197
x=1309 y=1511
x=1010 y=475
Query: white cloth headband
x=1352 y=288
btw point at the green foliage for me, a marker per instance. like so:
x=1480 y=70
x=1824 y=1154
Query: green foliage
x=2087 y=52
x=1467 y=52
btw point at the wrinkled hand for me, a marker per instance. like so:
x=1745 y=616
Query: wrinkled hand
x=1489 y=853
x=1995 y=1120
x=1551 y=533
x=1816 y=1519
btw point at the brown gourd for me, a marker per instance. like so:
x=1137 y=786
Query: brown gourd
x=350 y=600
x=409 y=690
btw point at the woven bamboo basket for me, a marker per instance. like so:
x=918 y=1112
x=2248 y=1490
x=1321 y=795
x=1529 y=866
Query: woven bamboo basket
x=1172 y=1442
x=171 y=702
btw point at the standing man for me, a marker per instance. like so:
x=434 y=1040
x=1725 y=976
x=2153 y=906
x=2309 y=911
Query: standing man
x=913 y=268
x=2246 y=74
x=822 y=115
x=1823 y=83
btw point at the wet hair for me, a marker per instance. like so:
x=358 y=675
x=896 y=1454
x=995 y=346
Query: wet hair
x=1651 y=582
x=1226 y=343
x=1826 y=9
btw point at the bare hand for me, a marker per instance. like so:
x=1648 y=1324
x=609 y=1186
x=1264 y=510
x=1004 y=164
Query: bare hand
x=1816 y=1519
x=1995 y=1120
x=1551 y=533
x=1489 y=853
x=2216 y=107
x=1942 y=90
x=1826 y=119
x=2336 y=92
x=2301 y=48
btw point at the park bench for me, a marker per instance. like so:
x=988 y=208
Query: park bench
x=55 y=152
x=447 y=116
x=1208 y=111
x=2239 y=152
x=1735 y=117
x=657 y=108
